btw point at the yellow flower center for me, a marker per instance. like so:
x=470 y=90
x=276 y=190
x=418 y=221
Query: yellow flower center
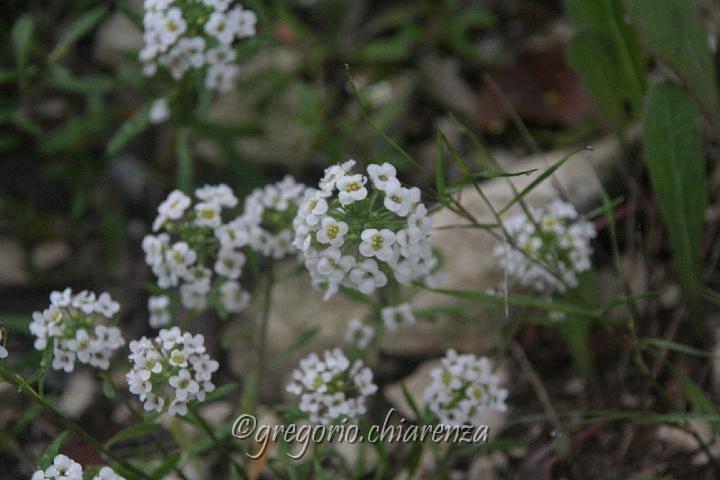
x=377 y=241
x=333 y=231
x=353 y=187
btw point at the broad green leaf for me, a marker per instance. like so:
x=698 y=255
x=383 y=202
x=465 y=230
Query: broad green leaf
x=673 y=148
x=139 y=430
x=594 y=59
x=606 y=19
x=671 y=29
x=78 y=29
x=21 y=37
x=129 y=130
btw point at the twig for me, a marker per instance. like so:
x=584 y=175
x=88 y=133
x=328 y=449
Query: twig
x=25 y=389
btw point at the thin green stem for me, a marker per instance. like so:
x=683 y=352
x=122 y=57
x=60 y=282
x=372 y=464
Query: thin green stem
x=207 y=428
x=25 y=389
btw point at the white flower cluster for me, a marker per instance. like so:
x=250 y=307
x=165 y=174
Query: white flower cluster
x=183 y=36
x=197 y=252
x=3 y=350
x=558 y=240
x=170 y=370
x=65 y=468
x=397 y=316
x=268 y=216
x=77 y=326
x=331 y=388
x=462 y=389
x=359 y=333
x=355 y=233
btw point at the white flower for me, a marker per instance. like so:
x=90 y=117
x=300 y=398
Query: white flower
x=106 y=306
x=220 y=194
x=207 y=214
x=358 y=333
x=153 y=246
x=394 y=317
x=332 y=387
x=180 y=256
x=234 y=299
x=220 y=55
x=552 y=248
x=159 y=111
x=170 y=371
x=351 y=188
x=463 y=389
x=377 y=243
x=64 y=468
x=401 y=200
x=173 y=207
x=232 y=235
x=76 y=324
x=332 y=232
x=3 y=350
x=333 y=265
x=342 y=214
x=192 y=298
x=159 y=308
x=384 y=176
x=107 y=473
x=222 y=26
x=229 y=263
x=368 y=277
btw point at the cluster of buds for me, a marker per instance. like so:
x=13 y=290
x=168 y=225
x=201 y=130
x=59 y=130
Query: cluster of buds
x=199 y=35
x=553 y=246
x=197 y=252
x=77 y=327
x=170 y=371
x=331 y=388
x=361 y=233
x=462 y=389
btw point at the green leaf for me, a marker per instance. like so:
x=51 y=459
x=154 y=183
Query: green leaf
x=606 y=19
x=78 y=29
x=139 y=430
x=671 y=29
x=544 y=175
x=52 y=450
x=221 y=392
x=673 y=148
x=594 y=59
x=699 y=401
x=129 y=130
x=440 y=167
x=166 y=466
x=670 y=345
x=520 y=301
x=21 y=36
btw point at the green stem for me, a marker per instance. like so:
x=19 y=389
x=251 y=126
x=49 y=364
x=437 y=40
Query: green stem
x=207 y=428
x=141 y=418
x=25 y=389
x=264 y=327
